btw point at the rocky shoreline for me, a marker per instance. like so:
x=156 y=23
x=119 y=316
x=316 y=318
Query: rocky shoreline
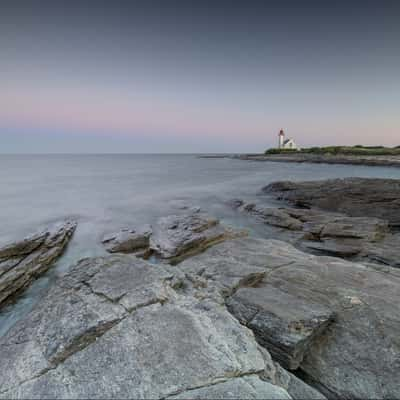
x=24 y=261
x=382 y=161
x=189 y=308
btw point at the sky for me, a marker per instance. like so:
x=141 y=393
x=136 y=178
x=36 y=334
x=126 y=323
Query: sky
x=197 y=76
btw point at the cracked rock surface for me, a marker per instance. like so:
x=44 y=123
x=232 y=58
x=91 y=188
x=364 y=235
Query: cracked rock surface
x=23 y=261
x=283 y=323
x=115 y=327
x=347 y=312
x=246 y=317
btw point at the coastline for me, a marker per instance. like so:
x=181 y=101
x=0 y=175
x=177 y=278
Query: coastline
x=374 y=161
x=283 y=303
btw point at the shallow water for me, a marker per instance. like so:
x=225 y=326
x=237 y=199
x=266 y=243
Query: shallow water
x=107 y=192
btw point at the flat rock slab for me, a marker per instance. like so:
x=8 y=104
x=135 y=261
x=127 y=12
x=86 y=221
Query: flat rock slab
x=283 y=323
x=114 y=327
x=128 y=240
x=236 y=263
x=22 y=262
x=355 y=197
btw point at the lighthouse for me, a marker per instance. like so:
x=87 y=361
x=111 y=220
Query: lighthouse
x=281 y=138
x=286 y=144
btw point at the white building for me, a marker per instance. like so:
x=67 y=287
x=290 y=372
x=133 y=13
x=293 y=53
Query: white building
x=286 y=143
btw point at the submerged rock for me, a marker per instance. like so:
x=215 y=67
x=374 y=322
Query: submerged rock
x=22 y=262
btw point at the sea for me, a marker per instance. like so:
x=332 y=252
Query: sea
x=107 y=192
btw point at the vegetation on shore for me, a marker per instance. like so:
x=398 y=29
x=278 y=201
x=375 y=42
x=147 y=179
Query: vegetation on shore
x=342 y=150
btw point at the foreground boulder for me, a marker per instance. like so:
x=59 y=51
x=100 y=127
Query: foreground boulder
x=119 y=327
x=347 y=313
x=22 y=262
x=355 y=197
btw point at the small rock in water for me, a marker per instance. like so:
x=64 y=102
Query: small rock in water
x=175 y=237
x=128 y=240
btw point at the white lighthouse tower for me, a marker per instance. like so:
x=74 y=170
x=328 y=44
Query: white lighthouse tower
x=288 y=144
x=281 y=138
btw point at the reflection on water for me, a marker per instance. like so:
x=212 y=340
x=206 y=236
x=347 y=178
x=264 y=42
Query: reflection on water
x=107 y=192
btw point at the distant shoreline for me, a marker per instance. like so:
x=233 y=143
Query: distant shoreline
x=376 y=161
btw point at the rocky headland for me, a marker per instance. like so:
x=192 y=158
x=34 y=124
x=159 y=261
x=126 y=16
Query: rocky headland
x=370 y=160
x=189 y=308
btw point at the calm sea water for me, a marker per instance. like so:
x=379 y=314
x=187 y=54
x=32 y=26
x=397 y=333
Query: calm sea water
x=107 y=192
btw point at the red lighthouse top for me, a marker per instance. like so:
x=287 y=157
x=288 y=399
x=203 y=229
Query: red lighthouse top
x=281 y=133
